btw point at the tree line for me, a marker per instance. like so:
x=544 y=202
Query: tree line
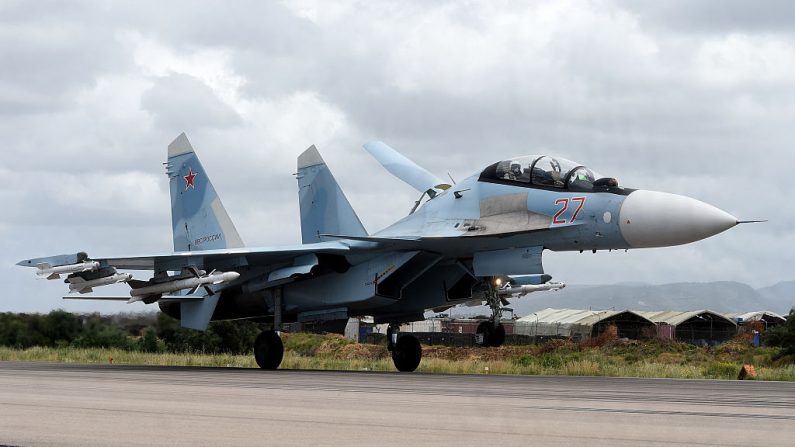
x=149 y=332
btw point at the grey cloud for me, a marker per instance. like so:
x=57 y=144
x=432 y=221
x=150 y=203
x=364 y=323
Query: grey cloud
x=50 y=50
x=180 y=101
x=727 y=16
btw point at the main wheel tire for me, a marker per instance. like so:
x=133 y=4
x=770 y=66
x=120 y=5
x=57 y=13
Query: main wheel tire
x=498 y=336
x=486 y=329
x=407 y=353
x=268 y=350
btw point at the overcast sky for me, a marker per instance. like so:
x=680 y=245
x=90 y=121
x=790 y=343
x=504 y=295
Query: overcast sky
x=696 y=98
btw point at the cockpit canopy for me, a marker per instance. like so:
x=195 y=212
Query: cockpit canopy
x=542 y=171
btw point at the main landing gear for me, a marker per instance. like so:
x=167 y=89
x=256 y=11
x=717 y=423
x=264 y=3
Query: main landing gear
x=492 y=332
x=268 y=347
x=268 y=350
x=406 y=350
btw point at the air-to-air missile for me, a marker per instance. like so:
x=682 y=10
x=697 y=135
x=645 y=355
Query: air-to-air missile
x=81 y=285
x=520 y=285
x=519 y=290
x=142 y=290
x=45 y=270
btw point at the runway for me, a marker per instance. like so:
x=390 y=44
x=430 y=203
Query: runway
x=98 y=405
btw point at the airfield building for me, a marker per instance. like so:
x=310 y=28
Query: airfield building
x=767 y=318
x=698 y=326
x=581 y=324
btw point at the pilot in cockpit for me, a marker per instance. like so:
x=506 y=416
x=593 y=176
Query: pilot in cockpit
x=516 y=170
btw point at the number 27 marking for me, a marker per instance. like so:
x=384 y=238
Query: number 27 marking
x=557 y=220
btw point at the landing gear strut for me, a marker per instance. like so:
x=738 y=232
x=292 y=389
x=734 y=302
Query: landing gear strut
x=406 y=350
x=268 y=350
x=492 y=332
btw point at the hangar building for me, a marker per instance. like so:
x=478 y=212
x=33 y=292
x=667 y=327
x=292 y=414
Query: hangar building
x=581 y=324
x=769 y=319
x=693 y=326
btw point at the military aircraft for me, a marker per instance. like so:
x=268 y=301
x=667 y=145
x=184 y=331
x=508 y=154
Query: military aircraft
x=480 y=240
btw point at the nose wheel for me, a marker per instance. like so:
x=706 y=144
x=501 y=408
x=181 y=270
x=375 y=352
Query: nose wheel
x=490 y=334
x=268 y=350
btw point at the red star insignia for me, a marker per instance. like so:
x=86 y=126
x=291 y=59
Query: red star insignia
x=189 y=179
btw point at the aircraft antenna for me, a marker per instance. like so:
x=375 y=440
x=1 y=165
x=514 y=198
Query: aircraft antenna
x=451 y=178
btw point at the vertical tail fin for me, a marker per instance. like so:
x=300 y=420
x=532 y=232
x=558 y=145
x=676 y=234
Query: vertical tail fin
x=198 y=217
x=324 y=207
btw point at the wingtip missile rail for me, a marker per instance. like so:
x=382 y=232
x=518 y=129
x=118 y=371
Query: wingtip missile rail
x=52 y=267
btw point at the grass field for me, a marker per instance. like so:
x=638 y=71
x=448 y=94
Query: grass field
x=606 y=358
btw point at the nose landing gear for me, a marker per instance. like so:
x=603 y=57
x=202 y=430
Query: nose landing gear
x=492 y=332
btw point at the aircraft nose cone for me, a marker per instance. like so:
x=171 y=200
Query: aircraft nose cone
x=658 y=219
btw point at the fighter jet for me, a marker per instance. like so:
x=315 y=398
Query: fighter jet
x=478 y=241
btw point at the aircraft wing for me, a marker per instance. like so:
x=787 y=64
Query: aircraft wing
x=231 y=257
x=403 y=168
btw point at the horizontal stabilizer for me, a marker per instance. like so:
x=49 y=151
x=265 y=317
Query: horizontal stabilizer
x=406 y=243
x=403 y=168
x=372 y=238
x=170 y=298
x=96 y=297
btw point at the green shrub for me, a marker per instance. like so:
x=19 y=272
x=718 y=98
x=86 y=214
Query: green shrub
x=546 y=360
x=722 y=370
x=782 y=336
x=303 y=343
x=149 y=341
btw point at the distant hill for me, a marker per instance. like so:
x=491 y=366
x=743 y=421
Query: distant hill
x=722 y=296
x=783 y=292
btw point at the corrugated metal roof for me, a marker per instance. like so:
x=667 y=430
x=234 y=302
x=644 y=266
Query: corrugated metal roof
x=563 y=316
x=564 y=322
x=675 y=318
x=755 y=316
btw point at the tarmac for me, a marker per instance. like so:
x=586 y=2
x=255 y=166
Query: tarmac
x=99 y=405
